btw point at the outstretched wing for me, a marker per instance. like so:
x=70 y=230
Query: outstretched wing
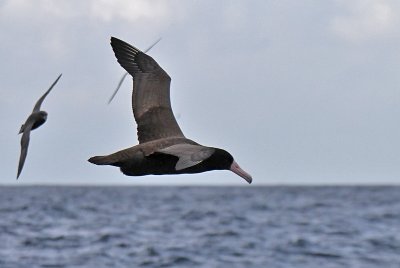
x=24 y=146
x=123 y=77
x=151 y=103
x=39 y=102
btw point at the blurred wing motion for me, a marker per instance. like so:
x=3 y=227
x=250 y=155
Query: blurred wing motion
x=123 y=77
x=151 y=103
x=118 y=86
x=39 y=102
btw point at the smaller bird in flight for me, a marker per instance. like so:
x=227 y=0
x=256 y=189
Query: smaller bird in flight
x=35 y=120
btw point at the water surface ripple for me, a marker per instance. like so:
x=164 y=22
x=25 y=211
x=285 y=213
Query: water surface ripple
x=199 y=227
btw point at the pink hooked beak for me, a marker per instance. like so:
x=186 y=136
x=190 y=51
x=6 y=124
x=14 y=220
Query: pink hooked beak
x=235 y=168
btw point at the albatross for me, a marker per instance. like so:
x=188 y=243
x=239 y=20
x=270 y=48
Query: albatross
x=35 y=120
x=162 y=148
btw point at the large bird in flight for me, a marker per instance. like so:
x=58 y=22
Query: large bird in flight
x=35 y=120
x=162 y=148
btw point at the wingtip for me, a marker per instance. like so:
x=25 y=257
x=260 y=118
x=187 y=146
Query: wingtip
x=114 y=39
x=58 y=77
x=55 y=82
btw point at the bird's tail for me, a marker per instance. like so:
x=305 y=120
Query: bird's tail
x=115 y=159
x=101 y=160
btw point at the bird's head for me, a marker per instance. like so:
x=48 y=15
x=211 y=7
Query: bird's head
x=43 y=114
x=225 y=160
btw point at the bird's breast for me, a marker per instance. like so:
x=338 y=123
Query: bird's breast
x=38 y=120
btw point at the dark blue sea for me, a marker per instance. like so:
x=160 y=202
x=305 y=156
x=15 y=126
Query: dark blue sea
x=200 y=227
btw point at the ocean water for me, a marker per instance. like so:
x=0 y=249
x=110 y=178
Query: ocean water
x=200 y=227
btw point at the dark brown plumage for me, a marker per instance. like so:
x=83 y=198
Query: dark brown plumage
x=125 y=74
x=162 y=148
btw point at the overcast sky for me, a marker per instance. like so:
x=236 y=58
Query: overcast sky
x=297 y=91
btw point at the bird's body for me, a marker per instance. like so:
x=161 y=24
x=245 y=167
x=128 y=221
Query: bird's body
x=38 y=119
x=35 y=120
x=162 y=148
x=152 y=158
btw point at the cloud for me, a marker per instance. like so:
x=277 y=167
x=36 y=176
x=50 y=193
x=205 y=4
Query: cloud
x=39 y=9
x=364 y=19
x=130 y=10
x=104 y=10
x=52 y=23
x=234 y=16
